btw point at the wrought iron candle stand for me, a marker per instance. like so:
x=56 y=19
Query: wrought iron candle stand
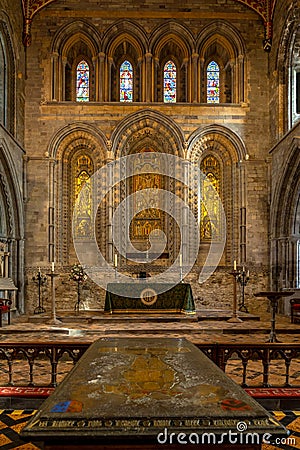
x=243 y=278
x=41 y=280
x=78 y=301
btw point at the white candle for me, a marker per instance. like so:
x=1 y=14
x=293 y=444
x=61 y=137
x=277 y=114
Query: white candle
x=234 y=265
x=248 y=273
x=180 y=260
x=39 y=270
x=116 y=260
x=52 y=266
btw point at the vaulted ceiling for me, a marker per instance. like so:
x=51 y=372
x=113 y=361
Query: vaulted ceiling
x=264 y=8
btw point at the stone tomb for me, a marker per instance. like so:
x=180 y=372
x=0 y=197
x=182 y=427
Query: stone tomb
x=150 y=393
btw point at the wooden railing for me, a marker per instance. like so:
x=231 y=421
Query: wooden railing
x=46 y=364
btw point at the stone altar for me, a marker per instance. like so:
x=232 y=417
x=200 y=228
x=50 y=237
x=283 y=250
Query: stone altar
x=144 y=296
x=145 y=392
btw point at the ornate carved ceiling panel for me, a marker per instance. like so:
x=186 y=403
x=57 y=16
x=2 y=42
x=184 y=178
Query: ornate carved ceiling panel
x=264 y=8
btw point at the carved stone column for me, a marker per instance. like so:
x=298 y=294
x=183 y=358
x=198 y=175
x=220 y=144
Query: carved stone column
x=195 y=78
x=148 y=77
x=101 y=76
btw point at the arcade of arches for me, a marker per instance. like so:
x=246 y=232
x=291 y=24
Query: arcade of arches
x=216 y=84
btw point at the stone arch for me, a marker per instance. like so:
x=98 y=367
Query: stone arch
x=175 y=31
x=74 y=139
x=122 y=31
x=285 y=195
x=222 y=134
x=288 y=70
x=221 y=42
x=73 y=131
x=78 y=40
x=65 y=36
x=148 y=124
x=229 y=150
x=12 y=234
x=285 y=221
x=172 y=42
x=8 y=82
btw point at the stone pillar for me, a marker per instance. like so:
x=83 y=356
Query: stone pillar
x=234 y=82
x=96 y=78
x=101 y=76
x=195 y=78
x=108 y=79
x=240 y=79
x=51 y=211
x=148 y=77
x=155 y=94
x=62 y=88
x=202 y=78
x=55 y=76
x=142 y=88
x=110 y=163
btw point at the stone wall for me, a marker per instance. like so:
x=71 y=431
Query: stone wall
x=250 y=121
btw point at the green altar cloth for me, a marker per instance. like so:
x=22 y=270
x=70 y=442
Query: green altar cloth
x=147 y=391
x=147 y=297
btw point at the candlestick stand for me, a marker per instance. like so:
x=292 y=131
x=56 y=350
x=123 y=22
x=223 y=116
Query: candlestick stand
x=234 y=318
x=53 y=320
x=40 y=280
x=273 y=297
x=79 y=301
x=243 y=279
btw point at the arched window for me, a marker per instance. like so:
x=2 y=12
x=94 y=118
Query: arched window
x=83 y=170
x=126 y=82
x=213 y=82
x=170 y=82
x=82 y=82
x=210 y=225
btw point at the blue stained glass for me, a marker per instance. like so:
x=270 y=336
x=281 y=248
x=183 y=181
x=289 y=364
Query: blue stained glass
x=170 y=82
x=213 y=82
x=83 y=82
x=126 y=82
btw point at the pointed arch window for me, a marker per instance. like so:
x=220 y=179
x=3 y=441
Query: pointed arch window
x=126 y=82
x=170 y=82
x=210 y=220
x=82 y=82
x=83 y=170
x=213 y=82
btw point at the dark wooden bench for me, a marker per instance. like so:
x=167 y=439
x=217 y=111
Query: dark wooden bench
x=5 y=305
x=295 y=310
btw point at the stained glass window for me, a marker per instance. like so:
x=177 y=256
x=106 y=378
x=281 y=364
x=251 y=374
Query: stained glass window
x=170 y=82
x=213 y=82
x=126 y=82
x=210 y=205
x=83 y=82
x=83 y=206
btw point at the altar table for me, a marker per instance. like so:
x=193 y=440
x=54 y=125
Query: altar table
x=149 y=393
x=144 y=296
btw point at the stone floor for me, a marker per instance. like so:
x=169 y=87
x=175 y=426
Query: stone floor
x=204 y=327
